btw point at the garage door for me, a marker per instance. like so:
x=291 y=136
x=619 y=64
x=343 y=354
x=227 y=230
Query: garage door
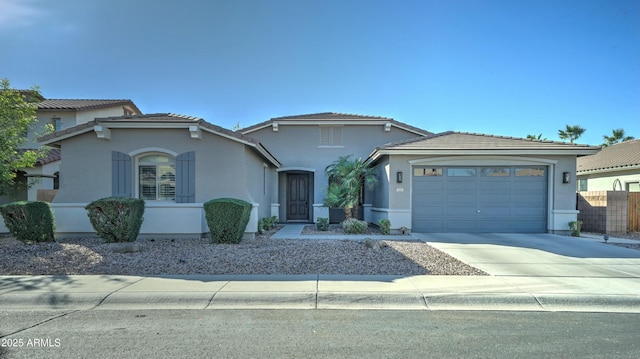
x=479 y=199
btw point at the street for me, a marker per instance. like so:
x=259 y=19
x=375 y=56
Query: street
x=316 y=333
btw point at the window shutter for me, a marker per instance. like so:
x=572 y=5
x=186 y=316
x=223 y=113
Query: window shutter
x=324 y=136
x=337 y=136
x=186 y=177
x=120 y=174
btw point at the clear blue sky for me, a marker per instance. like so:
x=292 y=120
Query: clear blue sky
x=504 y=67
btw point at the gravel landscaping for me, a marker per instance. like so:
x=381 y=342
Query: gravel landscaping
x=262 y=255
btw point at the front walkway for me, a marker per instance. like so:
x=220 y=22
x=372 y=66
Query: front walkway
x=294 y=231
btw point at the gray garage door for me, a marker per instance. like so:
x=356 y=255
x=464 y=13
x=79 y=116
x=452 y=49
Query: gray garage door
x=479 y=199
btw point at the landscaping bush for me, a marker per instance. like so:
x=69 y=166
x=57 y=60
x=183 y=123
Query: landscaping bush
x=267 y=223
x=116 y=219
x=576 y=227
x=227 y=219
x=322 y=224
x=354 y=226
x=29 y=221
x=385 y=226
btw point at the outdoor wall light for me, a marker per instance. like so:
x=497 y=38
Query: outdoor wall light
x=566 y=176
x=399 y=177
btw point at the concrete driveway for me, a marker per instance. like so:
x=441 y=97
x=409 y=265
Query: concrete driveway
x=538 y=255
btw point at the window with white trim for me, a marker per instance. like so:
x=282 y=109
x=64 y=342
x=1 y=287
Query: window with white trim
x=330 y=136
x=156 y=177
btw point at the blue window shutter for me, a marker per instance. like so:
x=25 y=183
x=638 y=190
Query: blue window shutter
x=120 y=174
x=186 y=177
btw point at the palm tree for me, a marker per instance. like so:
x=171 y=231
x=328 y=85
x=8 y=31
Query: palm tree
x=536 y=137
x=616 y=136
x=346 y=180
x=571 y=133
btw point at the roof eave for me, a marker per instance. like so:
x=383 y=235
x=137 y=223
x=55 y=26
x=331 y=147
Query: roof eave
x=480 y=152
x=608 y=170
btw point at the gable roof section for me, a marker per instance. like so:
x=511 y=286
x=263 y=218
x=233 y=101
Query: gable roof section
x=465 y=143
x=617 y=157
x=328 y=118
x=159 y=120
x=80 y=105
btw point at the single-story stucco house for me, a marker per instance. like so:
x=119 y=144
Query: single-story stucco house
x=447 y=182
x=614 y=168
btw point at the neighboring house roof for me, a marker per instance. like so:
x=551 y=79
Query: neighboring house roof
x=54 y=154
x=328 y=118
x=79 y=105
x=457 y=143
x=102 y=127
x=620 y=156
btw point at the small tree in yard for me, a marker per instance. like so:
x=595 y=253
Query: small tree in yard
x=346 y=180
x=17 y=114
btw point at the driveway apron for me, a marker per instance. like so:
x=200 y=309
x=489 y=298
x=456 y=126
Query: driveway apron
x=538 y=255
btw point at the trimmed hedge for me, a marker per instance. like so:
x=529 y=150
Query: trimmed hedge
x=227 y=219
x=29 y=221
x=116 y=219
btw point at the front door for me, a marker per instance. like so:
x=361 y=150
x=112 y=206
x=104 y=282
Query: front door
x=297 y=197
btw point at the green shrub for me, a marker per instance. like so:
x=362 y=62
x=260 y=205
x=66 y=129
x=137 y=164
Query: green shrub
x=267 y=223
x=261 y=225
x=29 y=221
x=576 y=227
x=322 y=224
x=227 y=219
x=116 y=219
x=385 y=226
x=354 y=226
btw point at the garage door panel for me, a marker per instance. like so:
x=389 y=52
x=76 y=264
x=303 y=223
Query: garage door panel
x=480 y=203
x=495 y=212
x=529 y=187
x=461 y=200
x=461 y=211
x=529 y=199
x=493 y=199
x=462 y=186
x=495 y=187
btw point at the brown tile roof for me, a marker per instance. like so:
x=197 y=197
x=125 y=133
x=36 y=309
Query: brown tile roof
x=330 y=116
x=80 y=104
x=334 y=116
x=477 y=141
x=155 y=118
x=615 y=157
x=54 y=154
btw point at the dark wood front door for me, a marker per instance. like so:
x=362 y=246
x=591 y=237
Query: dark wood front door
x=297 y=197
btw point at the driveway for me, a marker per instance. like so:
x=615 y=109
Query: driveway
x=538 y=255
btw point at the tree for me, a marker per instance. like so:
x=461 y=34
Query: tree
x=346 y=180
x=536 y=137
x=616 y=136
x=17 y=113
x=571 y=133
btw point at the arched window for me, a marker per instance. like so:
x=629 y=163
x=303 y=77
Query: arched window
x=157 y=177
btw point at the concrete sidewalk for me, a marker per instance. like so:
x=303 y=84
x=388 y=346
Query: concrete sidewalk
x=98 y=292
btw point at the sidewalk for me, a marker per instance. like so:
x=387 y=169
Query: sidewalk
x=317 y=292
x=501 y=292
